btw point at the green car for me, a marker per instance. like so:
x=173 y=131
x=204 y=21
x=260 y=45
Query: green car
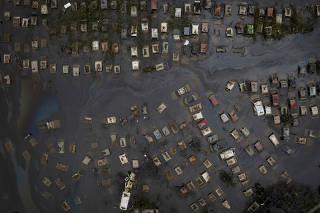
x=250 y=29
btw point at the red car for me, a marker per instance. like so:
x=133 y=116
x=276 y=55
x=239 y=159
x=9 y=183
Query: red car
x=202 y=123
x=270 y=12
x=275 y=100
x=203 y=48
x=233 y=115
x=213 y=100
x=258 y=146
x=154 y=5
x=293 y=103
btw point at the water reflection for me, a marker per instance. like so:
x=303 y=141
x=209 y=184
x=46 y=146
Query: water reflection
x=35 y=105
x=46 y=107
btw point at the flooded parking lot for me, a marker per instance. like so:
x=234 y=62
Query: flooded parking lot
x=82 y=104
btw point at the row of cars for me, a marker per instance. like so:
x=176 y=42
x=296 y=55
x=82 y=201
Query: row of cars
x=276 y=89
x=191 y=100
x=286 y=113
x=262 y=106
x=126 y=194
x=218 y=10
x=165 y=156
x=195 y=108
x=75 y=70
x=100 y=163
x=277 y=85
x=229 y=156
x=212 y=197
x=256 y=147
x=60 y=149
x=135 y=112
x=61 y=167
x=165 y=131
x=267 y=21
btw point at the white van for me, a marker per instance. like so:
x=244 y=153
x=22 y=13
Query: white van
x=197 y=116
x=227 y=154
x=274 y=139
x=125 y=200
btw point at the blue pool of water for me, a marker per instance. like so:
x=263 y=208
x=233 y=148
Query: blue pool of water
x=42 y=111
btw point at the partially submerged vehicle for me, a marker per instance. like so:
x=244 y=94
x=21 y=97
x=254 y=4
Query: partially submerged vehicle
x=213 y=100
x=190 y=99
x=124 y=200
x=229 y=153
x=195 y=108
x=230 y=85
x=258 y=108
x=50 y=125
x=110 y=120
x=274 y=139
x=183 y=90
x=162 y=107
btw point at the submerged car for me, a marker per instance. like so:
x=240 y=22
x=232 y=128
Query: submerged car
x=203 y=123
x=213 y=138
x=213 y=100
x=292 y=80
x=287 y=150
x=233 y=115
x=229 y=32
x=274 y=139
x=275 y=100
x=183 y=90
x=157 y=134
x=190 y=99
x=249 y=150
x=286 y=133
x=215 y=147
x=230 y=85
x=302 y=93
x=312 y=90
x=224 y=118
x=111 y=120
x=295 y=120
x=274 y=79
x=144 y=110
x=258 y=146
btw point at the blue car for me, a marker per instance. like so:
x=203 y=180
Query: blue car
x=190 y=99
x=213 y=138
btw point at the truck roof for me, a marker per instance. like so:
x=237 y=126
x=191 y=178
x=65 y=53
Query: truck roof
x=227 y=154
